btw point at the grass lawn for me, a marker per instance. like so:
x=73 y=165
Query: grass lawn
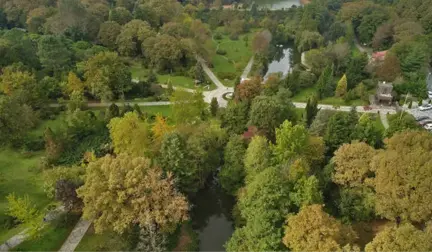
x=164 y=110
x=101 y=242
x=238 y=54
x=51 y=237
x=20 y=178
x=304 y=94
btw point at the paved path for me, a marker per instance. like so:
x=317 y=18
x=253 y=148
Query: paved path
x=209 y=73
x=248 y=68
x=14 y=241
x=384 y=120
x=75 y=236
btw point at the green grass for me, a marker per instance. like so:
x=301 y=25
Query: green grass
x=304 y=94
x=164 y=110
x=237 y=56
x=101 y=242
x=21 y=179
x=51 y=237
x=54 y=124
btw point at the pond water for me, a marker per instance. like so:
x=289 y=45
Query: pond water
x=277 y=4
x=281 y=59
x=211 y=217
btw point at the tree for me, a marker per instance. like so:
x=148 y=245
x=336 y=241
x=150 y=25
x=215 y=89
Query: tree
x=15 y=121
x=261 y=42
x=151 y=239
x=111 y=112
x=74 y=84
x=248 y=89
x=267 y=113
x=356 y=204
x=317 y=59
x=263 y=204
x=383 y=37
x=53 y=146
x=235 y=117
x=257 y=157
x=65 y=191
x=120 y=15
x=173 y=158
x=369 y=24
x=291 y=142
x=342 y=86
x=107 y=76
x=22 y=85
x=306 y=191
x=54 y=53
x=122 y=191
x=366 y=131
x=405 y=237
x=352 y=164
x=356 y=70
x=311 y=110
x=325 y=83
x=131 y=37
x=108 y=34
x=199 y=73
x=389 y=69
x=24 y=210
x=188 y=107
x=339 y=130
x=400 y=122
x=319 y=124
x=163 y=51
x=403 y=177
x=308 y=40
x=214 y=106
x=232 y=173
x=159 y=129
x=312 y=229
x=130 y=135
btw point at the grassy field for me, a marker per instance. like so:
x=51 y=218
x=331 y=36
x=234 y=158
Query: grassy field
x=238 y=54
x=304 y=94
x=101 y=242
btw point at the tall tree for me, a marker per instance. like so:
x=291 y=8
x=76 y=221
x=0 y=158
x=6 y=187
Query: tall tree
x=214 y=106
x=356 y=70
x=339 y=130
x=367 y=132
x=159 y=129
x=188 y=107
x=130 y=135
x=235 y=117
x=319 y=124
x=107 y=76
x=199 y=73
x=312 y=229
x=122 y=191
x=311 y=110
x=108 y=33
x=257 y=157
x=54 y=53
x=325 y=83
x=232 y=173
x=404 y=167
x=405 y=237
x=341 y=88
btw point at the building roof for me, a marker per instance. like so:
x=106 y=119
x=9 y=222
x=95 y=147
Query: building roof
x=379 y=55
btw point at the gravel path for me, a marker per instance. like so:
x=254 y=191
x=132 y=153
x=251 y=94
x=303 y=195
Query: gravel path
x=75 y=236
x=248 y=68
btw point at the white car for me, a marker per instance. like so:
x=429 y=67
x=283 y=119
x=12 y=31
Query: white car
x=430 y=95
x=428 y=126
x=425 y=107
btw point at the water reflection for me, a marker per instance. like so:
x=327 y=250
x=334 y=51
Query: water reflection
x=277 y=4
x=211 y=217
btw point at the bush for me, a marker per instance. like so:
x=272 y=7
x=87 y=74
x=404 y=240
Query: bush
x=9 y=222
x=234 y=36
x=226 y=75
x=33 y=143
x=221 y=52
x=217 y=36
x=350 y=95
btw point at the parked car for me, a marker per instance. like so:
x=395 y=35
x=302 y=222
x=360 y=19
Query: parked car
x=424 y=122
x=430 y=95
x=428 y=126
x=422 y=118
x=425 y=107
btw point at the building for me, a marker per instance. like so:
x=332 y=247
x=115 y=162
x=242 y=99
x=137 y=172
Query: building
x=384 y=93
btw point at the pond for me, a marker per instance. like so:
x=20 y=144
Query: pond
x=211 y=217
x=281 y=59
x=277 y=4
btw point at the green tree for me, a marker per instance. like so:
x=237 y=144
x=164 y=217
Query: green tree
x=306 y=191
x=366 y=131
x=339 y=130
x=122 y=191
x=404 y=167
x=54 y=53
x=25 y=212
x=199 y=73
x=235 y=117
x=355 y=72
x=356 y=204
x=319 y=124
x=311 y=110
x=107 y=76
x=188 y=107
x=400 y=122
x=325 y=83
x=130 y=135
x=131 y=37
x=341 y=88
x=352 y=164
x=163 y=51
x=214 y=106
x=53 y=145
x=232 y=173
x=120 y=15
x=264 y=205
x=267 y=113
x=111 y=112
x=257 y=157
x=291 y=142
x=108 y=34
x=405 y=237
x=312 y=229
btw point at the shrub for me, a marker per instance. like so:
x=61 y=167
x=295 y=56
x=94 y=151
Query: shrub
x=226 y=75
x=221 y=52
x=234 y=36
x=217 y=36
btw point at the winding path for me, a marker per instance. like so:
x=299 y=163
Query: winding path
x=248 y=68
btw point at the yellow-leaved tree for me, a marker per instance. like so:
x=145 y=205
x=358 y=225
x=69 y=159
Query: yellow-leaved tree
x=121 y=191
x=130 y=135
x=342 y=86
x=160 y=129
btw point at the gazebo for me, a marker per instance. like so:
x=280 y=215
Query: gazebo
x=384 y=93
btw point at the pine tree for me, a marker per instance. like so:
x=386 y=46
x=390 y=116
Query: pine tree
x=214 y=106
x=325 y=83
x=311 y=110
x=342 y=86
x=53 y=147
x=199 y=73
x=111 y=112
x=170 y=89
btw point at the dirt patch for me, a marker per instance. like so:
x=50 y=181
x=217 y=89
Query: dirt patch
x=184 y=240
x=367 y=230
x=303 y=2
